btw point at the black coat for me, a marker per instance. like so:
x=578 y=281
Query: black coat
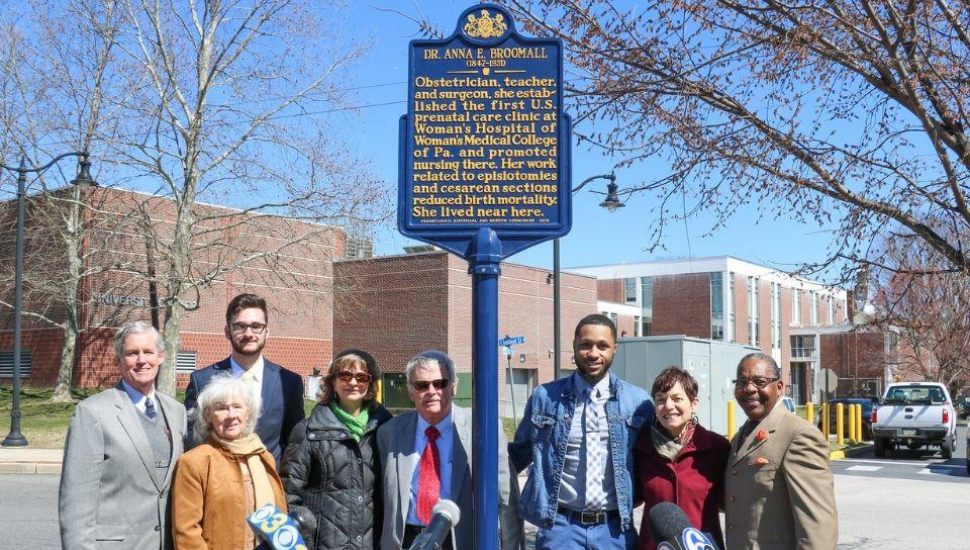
x=327 y=471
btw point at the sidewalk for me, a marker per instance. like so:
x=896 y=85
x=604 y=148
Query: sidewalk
x=17 y=460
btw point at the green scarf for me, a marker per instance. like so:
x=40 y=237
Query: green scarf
x=355 y=424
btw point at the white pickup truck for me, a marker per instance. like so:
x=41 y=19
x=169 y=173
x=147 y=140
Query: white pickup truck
x=915 y=414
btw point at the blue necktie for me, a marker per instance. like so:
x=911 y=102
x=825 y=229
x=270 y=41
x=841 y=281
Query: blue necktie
x=150 y=411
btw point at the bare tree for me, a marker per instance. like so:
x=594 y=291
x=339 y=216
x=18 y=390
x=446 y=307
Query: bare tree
x=53 y=96
x=196 y=103
x=853 y=114
x=927 y=307
x=217 y=110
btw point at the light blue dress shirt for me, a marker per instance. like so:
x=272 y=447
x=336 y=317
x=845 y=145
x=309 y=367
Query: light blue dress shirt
x=572 y=490
x=138 y=398
x=445 y=444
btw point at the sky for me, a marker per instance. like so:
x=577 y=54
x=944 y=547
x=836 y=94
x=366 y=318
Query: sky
x=597 y=237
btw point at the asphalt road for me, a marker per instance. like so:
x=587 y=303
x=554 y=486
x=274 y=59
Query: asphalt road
x=911 y=500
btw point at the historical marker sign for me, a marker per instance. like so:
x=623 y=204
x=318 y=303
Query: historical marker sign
x=485 y=142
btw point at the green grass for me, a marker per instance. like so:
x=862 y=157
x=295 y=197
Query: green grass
x=43 y=423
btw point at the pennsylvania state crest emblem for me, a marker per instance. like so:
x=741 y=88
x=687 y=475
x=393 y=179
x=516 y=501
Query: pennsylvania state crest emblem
x=485 y=25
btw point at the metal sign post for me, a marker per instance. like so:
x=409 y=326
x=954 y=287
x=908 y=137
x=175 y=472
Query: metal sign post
x=484 y=173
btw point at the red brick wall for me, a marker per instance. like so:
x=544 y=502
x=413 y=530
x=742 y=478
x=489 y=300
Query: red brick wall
x=854 y=354
x=291 y=268
x=682 y=305
x=406 y=304
x=612 y=290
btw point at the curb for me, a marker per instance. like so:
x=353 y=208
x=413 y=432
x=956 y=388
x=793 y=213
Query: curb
x=850 y=452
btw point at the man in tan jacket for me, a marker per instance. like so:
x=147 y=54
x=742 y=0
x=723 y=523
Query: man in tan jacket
x=779 y=493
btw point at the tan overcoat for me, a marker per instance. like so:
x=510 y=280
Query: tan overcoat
x=779 y=492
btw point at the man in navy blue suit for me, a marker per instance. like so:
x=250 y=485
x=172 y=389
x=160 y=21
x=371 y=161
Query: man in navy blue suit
x=281 y=390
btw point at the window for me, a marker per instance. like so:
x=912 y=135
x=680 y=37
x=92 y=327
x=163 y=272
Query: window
x=831 y=308
x=796 y=307
x=646 y=305
x=776 y=315
x=731 y=318
x=803 y=347
x=717 y=305
x=813 y=308
x=636 y=326
x=630 y=285
x=753 y=303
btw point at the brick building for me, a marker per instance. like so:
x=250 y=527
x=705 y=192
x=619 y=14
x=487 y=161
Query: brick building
x=727 y=299
x=289 y=262
x=397 y=306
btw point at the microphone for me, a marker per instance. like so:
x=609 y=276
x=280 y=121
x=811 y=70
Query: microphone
x=445 y=516
x=672 y=530
x=277 y=530
x=305 y=521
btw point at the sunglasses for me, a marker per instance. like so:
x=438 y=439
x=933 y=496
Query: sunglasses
x=423 y=385
x=360 y=377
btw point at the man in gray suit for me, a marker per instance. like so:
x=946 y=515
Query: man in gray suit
x=425 y=457
x=121 y=448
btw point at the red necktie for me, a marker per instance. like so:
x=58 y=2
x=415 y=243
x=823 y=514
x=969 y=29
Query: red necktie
x=429 y=476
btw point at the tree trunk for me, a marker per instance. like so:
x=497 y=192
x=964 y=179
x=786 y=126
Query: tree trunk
x=166 y=374
x=65 y=372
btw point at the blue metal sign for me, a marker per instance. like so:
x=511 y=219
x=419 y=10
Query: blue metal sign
x=484 y=173
x=512 y=341
x=485 y=142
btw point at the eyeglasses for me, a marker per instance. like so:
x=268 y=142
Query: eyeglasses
x=360 y=377
x=240 y=328
x=758 y=381
x=423 y=385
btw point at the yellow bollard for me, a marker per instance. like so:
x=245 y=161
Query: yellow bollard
x=826 y=423
x=853 y=437
x=858 y=422
x=730 y=419
x=839 y=427
x=380 y=390
x=810 y=412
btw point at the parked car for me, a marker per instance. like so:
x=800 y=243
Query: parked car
x=789 y=403
x=915 y=414
x=868 y=403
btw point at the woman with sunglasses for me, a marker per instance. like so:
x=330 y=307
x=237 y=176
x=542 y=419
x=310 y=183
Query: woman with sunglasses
x=330 y=465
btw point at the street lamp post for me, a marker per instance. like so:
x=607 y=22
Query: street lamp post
x=15 y=438
x=611 y=203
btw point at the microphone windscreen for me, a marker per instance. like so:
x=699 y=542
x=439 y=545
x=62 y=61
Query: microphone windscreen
x=305 y=519
x=449 y=509
x=667 y=522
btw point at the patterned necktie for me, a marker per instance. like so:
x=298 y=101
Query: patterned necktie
x=429 y=476
x=595 y=456
x=150 y=411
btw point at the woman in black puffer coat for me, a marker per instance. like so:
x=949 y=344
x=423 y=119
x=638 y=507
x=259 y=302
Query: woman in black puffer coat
x=330 y=465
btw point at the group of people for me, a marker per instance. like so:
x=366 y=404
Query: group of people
x=142 y=470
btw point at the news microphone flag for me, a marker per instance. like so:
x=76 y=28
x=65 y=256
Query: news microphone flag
x=276 y=528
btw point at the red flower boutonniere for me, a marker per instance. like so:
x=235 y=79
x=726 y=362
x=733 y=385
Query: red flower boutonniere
x=760 y=461
x=761 y=436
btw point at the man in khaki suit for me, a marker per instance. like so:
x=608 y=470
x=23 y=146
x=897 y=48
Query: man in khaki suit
x=778 y=490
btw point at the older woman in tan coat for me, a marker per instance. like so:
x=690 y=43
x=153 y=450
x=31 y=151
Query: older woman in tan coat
x=223 y=480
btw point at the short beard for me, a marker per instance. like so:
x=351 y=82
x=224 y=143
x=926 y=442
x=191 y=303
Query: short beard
x=239 y=350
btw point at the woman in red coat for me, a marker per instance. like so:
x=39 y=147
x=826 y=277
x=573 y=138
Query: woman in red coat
x=679 y=461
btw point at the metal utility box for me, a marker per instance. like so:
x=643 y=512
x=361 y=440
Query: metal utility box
x=712 y=363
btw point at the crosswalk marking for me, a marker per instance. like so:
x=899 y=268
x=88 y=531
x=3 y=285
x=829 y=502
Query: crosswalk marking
x=864 y=468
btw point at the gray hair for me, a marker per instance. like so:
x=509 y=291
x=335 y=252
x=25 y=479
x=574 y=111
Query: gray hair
x=759 y=356
x=222 y=389
x=136 y=327
x=430 y=358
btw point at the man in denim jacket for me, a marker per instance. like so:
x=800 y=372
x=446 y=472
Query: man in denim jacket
x=578 y=433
